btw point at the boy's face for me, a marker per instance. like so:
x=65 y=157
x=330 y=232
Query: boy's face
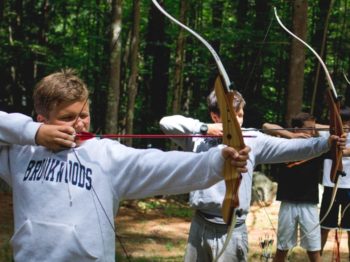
x=240 y=116
x=74 y=114
x=310 y=124
x=346 y=125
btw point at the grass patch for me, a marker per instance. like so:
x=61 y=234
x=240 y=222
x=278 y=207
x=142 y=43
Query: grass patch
x=168 y=207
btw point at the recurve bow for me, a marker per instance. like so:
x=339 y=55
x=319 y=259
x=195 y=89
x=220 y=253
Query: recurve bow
x=232 y=134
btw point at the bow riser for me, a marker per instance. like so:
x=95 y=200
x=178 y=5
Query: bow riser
x=231 y=138
x=337 y=129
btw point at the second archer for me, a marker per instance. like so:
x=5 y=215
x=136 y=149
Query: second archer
x=208 y=230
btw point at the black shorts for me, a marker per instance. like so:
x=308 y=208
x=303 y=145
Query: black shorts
x=342 y=201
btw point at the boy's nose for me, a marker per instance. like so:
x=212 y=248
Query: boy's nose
x=79 y=124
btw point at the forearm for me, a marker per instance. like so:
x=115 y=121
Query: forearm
x=179 y=125
x=276 y=130
x=277 y=150
x=17 y=128
x=176 y=172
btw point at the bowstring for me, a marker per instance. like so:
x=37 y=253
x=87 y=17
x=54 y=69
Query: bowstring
x=128 y=257
x=346 y=78
x=95 y=195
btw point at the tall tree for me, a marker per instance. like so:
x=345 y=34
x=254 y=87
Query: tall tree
x=179 y=61
x=320 y=43
x=254 y=81
x=16 y=35
x=114 y=74
x=321 y=53
x=217 y=17
x=157 y=54
x=297 y=60
x=241 y=14
x=132 y=83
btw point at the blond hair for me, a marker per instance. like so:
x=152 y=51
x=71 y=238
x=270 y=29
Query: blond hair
x=56 y=88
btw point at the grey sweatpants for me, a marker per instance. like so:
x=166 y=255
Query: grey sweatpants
x=206 y=240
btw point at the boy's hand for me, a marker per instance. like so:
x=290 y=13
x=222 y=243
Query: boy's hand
x=215 y=129
x=346 y=152
x=55 y=137
x=238 y=159
x=341 y=141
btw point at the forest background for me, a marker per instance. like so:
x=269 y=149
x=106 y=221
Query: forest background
x=139 y=66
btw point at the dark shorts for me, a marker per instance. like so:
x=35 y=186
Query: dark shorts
x=342 y=201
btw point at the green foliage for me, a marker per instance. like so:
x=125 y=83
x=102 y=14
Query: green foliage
x=169 y=208
x=6 y=252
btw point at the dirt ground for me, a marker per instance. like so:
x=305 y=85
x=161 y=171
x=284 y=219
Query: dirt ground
x=154 y=230
x=165 y=237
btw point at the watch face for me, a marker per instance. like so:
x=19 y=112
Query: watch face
x=204 y=129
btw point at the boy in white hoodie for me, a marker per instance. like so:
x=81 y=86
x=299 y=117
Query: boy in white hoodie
x=65 y=201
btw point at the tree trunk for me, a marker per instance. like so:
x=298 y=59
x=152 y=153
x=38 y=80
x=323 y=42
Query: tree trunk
x=236 y=65
x=319 y=40
x=297 y=61
x=114 y=74
x=16 y=34
x=321 y=53
x=157 y=55
x=2 y=8
x=132 y=84
x=254 y=73
x=179 y=62
x=217 y=17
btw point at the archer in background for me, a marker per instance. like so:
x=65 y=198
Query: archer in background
x=208 y=231
x=298 y=193
x=342 y=198
x=334 y=220
x=65 y=201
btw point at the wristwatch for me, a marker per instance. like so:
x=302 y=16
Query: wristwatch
x=203 y=129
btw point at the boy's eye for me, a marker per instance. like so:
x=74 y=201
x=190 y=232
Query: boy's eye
x=67 y=118
x=83 y=115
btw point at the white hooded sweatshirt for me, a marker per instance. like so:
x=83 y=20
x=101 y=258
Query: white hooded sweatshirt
x=65 y=202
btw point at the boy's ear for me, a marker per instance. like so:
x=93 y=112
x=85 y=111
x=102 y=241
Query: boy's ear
x=41 y=119
x=215 y=117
